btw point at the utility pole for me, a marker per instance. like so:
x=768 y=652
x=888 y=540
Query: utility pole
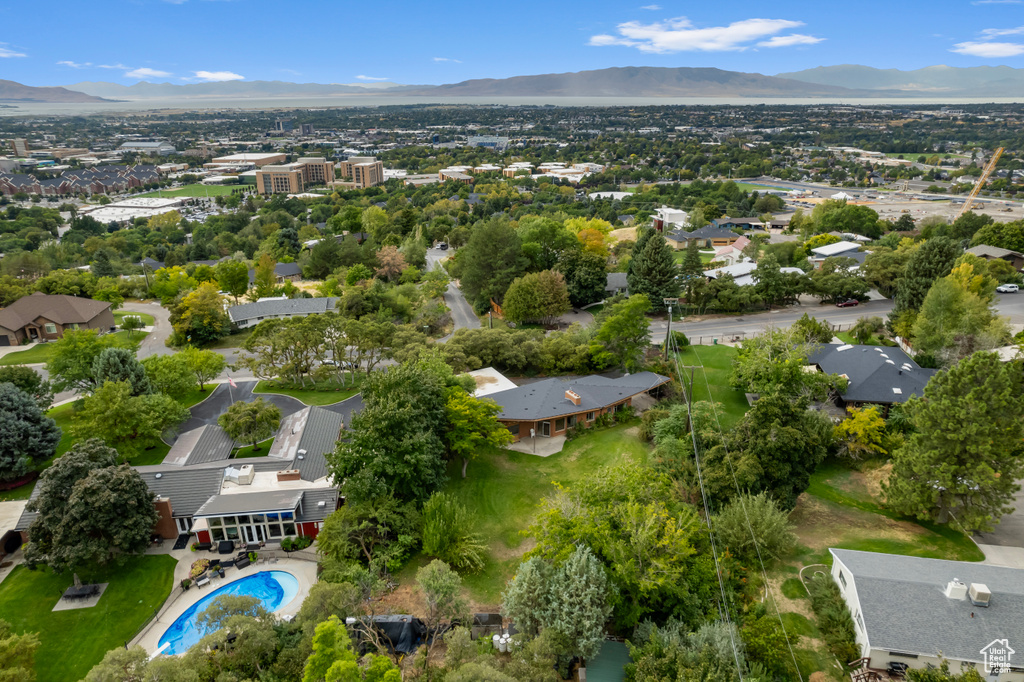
x=668 y=332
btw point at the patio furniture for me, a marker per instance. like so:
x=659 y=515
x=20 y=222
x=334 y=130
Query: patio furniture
x=204 y=579
x=225 y=547
x=252 y=547
x=80 y=592
x=204 y=546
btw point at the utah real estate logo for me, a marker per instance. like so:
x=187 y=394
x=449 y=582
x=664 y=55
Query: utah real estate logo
x=997 y=655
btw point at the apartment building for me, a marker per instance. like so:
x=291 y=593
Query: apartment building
x=292 y=178
x=362 y=172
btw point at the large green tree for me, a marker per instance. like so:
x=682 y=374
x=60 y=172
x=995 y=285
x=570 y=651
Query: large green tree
x=969 y=472
x=490 y=262
x=652 y=271
x=929 y=262
x=30 y=381
x=251 y=422
x=120 y=364
x=624 y=334
x=233 y=278
x=27 y=436
x=200 y=317
x=585 y=276
x=205 y=365
x=472 y=424
x=169 y=374
x=131 y=423
x=72 y=357
x=537 y=296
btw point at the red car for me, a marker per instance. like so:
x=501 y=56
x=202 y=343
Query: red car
x=848 y=303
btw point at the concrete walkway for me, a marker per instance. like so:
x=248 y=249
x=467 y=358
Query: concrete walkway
x=540 y=446
x=1000 y=555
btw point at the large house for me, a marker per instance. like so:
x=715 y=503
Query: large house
x=910 y=612
x=842 y=249
x=742 y=272
x=707 y=237
x=1014 y=258
x=250 y=314
x=876 y=375
x=44 y=317
x=551 y=407
x=200 y=489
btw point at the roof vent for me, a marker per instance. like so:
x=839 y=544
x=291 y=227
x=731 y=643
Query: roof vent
x=897 y=391
x=158 y=476
x=980 y=594
x=302 y=451
x=321 y=503
x=956 y=589
x=842 y=348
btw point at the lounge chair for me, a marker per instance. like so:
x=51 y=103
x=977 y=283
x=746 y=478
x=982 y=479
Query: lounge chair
x=204 y=579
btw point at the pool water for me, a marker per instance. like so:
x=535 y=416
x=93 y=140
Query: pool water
x=274 y=589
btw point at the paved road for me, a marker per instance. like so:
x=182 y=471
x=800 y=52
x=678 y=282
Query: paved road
x=155 y=342
x=462 y=313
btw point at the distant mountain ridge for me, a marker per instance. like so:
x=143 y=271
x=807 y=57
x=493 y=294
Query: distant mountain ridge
x=973 y=81
x=240 y=89
x=11 y=91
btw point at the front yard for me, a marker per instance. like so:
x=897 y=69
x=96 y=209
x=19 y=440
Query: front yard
x=72 y=642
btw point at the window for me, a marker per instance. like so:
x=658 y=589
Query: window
x=243 y=519
x=257 y=518
x=572 y=421
x=590 y=416
x=51 y=328
x=287 y=515
x=513 y=429
x=217 y=534
x=560 y=424
x=215 y=523
x=842 y=578
x=860 y=621
x=232 y=532
x=275 y=530
x=289 y=529
x=902 y=655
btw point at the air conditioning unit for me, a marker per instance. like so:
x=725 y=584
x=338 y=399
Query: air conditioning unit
x=980 y=594
x=245 y=474
x=956 y=589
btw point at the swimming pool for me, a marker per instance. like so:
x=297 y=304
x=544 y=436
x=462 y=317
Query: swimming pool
x=274 y=589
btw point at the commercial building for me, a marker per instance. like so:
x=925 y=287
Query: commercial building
x=43 y=317
x=258 y=159
x=292 y=178
x=148 y=148
x=494 y=142
x=20 y=146
x=910 y=612
x=551 y=407
x=360 y=172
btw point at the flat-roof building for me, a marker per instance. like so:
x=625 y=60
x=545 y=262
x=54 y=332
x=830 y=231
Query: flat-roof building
x=292 y=178
x=258 y=159
x=361 y=172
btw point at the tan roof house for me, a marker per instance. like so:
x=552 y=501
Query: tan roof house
x=45 y=317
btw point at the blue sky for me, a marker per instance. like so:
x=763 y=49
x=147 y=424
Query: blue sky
x=59 y=42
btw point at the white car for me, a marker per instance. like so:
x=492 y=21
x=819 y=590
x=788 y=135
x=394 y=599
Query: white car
x=1007 y=288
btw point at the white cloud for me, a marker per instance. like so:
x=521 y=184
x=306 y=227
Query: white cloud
x=145 y=72
x=653 y=8
x=991 y=49
x=790 y=40
x=217 y=76
x=6 y=53
x=119 y=67
x=1000 y=32
x=74 y=65
x=680 y=35
x=372 y=78
x=447 y=59
x=996 y=2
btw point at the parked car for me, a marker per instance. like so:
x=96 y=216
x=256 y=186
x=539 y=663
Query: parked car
x=1007 y=288
x=442 y=246
x=850 y=302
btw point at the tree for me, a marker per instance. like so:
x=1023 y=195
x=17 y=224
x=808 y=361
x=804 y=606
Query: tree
x=121 y=665
x=120 y=364
x=264 y=277
x=624 y=334
x=883 y=267
x=866 y=327
x=653 y=271
x=579 y=604
x=169 y=374
x=809 y=330
x=91 y=511
x=1003 y=235
x=773 y=285
x=333 y=658
x=472 y=425
x=27 y=436
x=324 y=258
x=29 y=381
x=447 y=533
x=200 y=316
x=442 y=590
x=774 y=362
x=228 y=605
x=753 y=527
x=396 y=442
x=969 y=472
x=956 y=317
x=391 y=263
x=838 y=280
x=72 y=356
x=17 y=654
x=862 y=433
x=767 y=643
x=537 y=296
x=380 y=533
x=585 y=276
x=131 y=324
x=126 y=421
x=490 y=262
x=205 y=365
x=357 y=273
x=691 y=273
x=546 y=242
x=233 y=278
x=251 y=422
x=929 y=262
x=527 y=597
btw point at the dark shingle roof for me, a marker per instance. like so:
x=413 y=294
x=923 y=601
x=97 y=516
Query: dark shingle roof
x=319 y=437
x=904 y=608
x=291 y=306
x=209 y=443
x=706 y=232
x=311 y=509
x=546 y=399
x=616 y=281
x=875 y=373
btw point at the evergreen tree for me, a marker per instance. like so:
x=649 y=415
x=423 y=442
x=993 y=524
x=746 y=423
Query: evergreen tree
x=643 y=235
x=653 y=272
x=27 y=436
x=120 y=364
x=691 y=274
x=969 y=472
x=579 y=604
x=934 y=259
x=527 y=597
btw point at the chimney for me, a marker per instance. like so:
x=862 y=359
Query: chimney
x=573 y=397
x=288 y=475
x=956 y=589
x=980 y=594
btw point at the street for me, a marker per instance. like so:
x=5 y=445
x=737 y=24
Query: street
x=463 y=316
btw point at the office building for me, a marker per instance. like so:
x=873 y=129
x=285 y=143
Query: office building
x=284 y=125
x=292 y=178
x=306 y=129
x=20 y=146
x=361 y=172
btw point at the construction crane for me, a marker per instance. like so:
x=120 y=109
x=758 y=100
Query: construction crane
x=989 y=167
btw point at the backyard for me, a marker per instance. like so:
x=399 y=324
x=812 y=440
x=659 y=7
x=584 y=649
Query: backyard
x=717 y=364
x=40 y=352
x=73 y=641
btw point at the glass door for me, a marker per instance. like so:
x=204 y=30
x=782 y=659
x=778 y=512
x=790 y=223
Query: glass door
x=545 y=429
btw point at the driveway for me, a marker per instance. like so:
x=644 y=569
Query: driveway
x=155 y=341
x=463 y=316
x=224 y=395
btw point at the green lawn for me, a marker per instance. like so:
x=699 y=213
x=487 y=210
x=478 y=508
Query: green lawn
x=231 y=341
x=72 y=642
x=309 y=397
x=195 y=396
x=847 y=337
x=147 y=319
x=502 y=491
x=249 y=451
x=40 y=352
x=717 y=363
x=196 y=190
x=705 y=258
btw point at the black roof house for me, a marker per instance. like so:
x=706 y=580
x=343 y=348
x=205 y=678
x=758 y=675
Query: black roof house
x=877 y=375
x=546 y=399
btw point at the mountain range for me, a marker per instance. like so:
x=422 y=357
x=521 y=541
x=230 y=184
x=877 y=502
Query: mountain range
x=843 y=81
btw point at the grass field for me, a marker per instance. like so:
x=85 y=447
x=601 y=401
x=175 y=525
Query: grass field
x=40 y=352
x=72 y=642
x=147 y=319
x=193 y=191
x=232 y=340
x=847 y=337
x=717 y=364
x=249 y=451
x=308 y=397
x=503 y=488
x=748 y=187
x=680 y=256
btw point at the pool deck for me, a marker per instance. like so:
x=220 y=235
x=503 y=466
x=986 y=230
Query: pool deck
x=179 y=601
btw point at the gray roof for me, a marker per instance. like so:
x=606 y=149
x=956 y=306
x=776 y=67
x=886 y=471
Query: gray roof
x=311 y=509
x=904 y=608
x=616 y=281
x=244 y=503
x=288 y=307
x=706 y=232
x=546 y=399
x=873 y=372
x=186 y=488
x=323 y=427
x=208 y=443
x=983 y=250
